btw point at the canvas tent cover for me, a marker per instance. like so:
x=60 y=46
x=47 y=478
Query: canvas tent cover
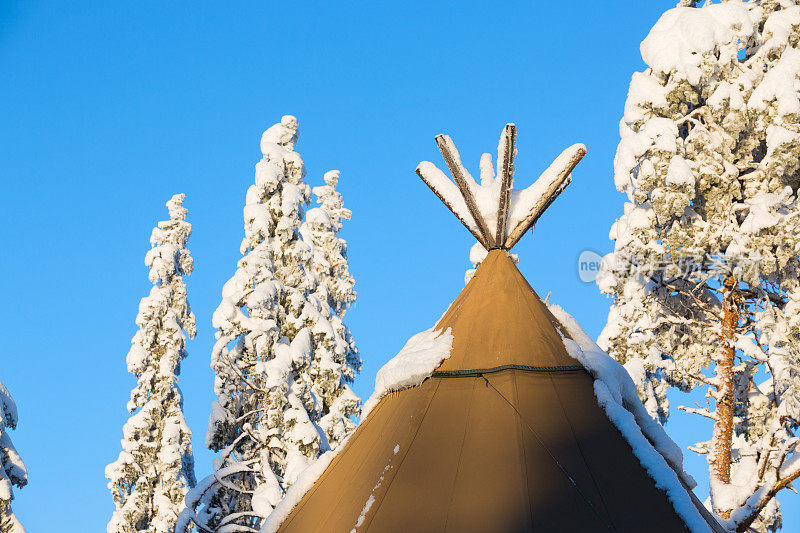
x=507 y=435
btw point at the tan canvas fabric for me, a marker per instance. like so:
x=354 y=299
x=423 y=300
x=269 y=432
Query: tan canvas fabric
x=498 y=319
x=506 y=451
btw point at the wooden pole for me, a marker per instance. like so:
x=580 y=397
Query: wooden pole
x=722 y=439
x=558 y=185
x=474 y=233
x=453 y=161
x=506 y=180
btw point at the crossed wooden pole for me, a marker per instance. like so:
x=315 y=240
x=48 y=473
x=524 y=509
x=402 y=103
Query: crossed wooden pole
x=556 y=182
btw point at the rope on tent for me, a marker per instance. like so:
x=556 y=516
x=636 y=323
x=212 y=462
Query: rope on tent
x=481 y=371
x=553 y=457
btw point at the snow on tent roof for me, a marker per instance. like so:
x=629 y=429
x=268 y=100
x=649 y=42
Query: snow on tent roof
x=523 y=424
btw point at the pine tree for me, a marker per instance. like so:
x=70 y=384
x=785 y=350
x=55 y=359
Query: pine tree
x=155 y=468
x=12 y=469
x=335 y=363
x=329 y=258
x=278 y=346
x=704 y=272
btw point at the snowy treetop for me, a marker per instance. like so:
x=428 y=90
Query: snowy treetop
x=283 y=134
x=492 y=210
x=175 y=207
x=683 y=37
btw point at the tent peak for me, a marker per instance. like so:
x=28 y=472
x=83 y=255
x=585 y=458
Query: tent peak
x=499 y=320
x=496 y=214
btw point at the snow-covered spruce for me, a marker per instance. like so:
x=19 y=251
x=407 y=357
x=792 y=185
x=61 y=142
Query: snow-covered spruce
x=335 y=286
x=12 y=469
x=704 y=272
x=155 y=468
x=282 y=358
x=320 y=229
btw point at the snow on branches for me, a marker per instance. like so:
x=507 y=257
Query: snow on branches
x=155 y=468
x=320 y=229
x=283 y=356
x=12 y=469
x=704 y=271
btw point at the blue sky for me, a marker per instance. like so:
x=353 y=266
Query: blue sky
x=109 y=108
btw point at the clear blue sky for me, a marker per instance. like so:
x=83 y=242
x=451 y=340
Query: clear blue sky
x=109 y=108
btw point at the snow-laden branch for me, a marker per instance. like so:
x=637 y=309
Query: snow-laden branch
x=698 y=411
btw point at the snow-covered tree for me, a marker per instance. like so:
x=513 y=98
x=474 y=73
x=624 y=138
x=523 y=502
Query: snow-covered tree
x=282 y=356
x=335 y=286
x=704 y=272
x=155 y=468
x=329 y=258
x=12 y=469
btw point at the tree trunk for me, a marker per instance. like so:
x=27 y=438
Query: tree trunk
x=723 y=425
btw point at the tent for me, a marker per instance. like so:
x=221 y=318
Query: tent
x=505 y=416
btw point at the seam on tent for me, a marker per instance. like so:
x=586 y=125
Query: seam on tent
x=422 y=414
x=521 y=444
x=460 y=453
x=480 y=371
x=553 y=457
x=580 y=450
